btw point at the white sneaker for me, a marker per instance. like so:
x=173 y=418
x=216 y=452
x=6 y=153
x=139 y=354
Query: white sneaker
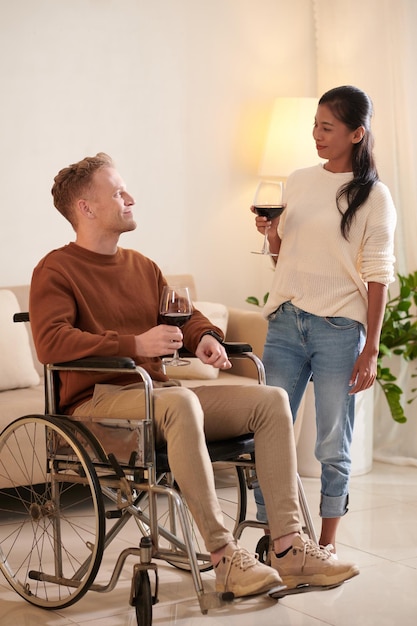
x=306 y=563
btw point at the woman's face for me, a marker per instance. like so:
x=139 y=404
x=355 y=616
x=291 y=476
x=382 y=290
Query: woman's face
x=334 y=140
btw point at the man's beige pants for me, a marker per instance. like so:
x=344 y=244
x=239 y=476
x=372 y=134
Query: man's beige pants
x=185 y=418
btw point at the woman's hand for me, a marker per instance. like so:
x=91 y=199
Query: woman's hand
x=263 y=223
x=271 y=227
x=364 y=372
x=365 y=369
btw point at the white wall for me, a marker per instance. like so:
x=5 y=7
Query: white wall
x=178 y=92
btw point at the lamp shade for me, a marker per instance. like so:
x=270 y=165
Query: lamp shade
x=289 y=143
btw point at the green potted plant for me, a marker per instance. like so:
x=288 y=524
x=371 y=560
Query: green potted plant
x=398 y=337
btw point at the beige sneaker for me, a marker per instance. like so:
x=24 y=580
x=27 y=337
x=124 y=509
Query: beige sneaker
x=240 y=573
x=308 y=563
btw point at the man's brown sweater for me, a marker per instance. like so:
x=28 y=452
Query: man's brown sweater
x=88 y=304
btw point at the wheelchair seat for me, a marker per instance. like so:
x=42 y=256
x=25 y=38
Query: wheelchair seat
x=225 y=450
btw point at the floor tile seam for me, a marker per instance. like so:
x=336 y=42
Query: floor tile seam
x=385 y=560
x=301 y=611
x=404 y=562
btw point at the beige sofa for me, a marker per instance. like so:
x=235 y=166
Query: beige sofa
x=26 y=395
x=21 y=398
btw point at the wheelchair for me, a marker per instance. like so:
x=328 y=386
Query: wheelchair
x=67 y=498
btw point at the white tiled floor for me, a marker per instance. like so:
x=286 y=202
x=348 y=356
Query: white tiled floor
x=379 y=534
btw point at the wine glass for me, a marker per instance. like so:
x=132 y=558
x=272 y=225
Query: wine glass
x=268 y=202
x=175 y=309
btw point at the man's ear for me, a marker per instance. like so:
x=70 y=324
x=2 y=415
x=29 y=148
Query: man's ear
x=83 y=207
x=358 y=134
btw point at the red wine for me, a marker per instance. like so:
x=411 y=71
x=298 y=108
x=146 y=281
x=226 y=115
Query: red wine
x=269 y=210
x=175 y=319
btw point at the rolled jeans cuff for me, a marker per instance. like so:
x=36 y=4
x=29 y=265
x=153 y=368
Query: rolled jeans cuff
x=334 y=506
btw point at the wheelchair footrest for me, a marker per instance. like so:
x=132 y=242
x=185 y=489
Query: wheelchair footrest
x=214 y=600
x=281 y=591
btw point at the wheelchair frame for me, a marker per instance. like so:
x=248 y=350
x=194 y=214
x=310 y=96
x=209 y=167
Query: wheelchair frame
x=41 y=517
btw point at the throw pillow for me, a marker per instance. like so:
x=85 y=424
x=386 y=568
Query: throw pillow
x=16 y=363
x=218 y=315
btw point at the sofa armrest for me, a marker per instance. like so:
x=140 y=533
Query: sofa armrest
x=248 y=326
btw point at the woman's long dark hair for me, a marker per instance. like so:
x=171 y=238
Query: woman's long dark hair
x=353 y=107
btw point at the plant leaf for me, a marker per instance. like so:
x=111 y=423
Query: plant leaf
x=393 y=394
x=252 y=300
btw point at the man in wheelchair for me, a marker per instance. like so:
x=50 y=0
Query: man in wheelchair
x=93 y=298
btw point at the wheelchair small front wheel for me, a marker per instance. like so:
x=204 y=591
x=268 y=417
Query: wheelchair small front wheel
x=143 y=598
x=262 y=549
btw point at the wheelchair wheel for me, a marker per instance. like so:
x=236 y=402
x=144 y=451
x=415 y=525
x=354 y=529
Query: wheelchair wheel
x=143 y=598
x=262 y=549
x=52 y=521
x=231 y=492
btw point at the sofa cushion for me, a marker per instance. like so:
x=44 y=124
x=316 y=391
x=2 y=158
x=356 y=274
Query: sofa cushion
x=218 y=315
x=16 y=362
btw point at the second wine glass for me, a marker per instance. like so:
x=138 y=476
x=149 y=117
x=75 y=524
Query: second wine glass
x=175 y=309
x=269 y=203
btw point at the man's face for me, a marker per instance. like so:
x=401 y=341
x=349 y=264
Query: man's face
x=110 y=203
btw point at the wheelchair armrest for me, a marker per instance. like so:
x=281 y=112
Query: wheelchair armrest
x=233 y=348
x=99 y=362
x=21 y=317
x=112 y=364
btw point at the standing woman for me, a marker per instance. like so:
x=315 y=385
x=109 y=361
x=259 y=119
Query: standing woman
x=334 y=247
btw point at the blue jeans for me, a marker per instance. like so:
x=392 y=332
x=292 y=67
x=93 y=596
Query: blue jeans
x=299 y=346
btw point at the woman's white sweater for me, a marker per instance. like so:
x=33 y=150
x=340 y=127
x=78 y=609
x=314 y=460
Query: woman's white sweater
x=317 y=269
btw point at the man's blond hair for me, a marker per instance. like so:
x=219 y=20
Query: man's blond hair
x=72 y=182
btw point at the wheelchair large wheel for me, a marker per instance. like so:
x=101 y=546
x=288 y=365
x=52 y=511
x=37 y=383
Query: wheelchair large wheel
x=52 y=520
x=232 y=495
